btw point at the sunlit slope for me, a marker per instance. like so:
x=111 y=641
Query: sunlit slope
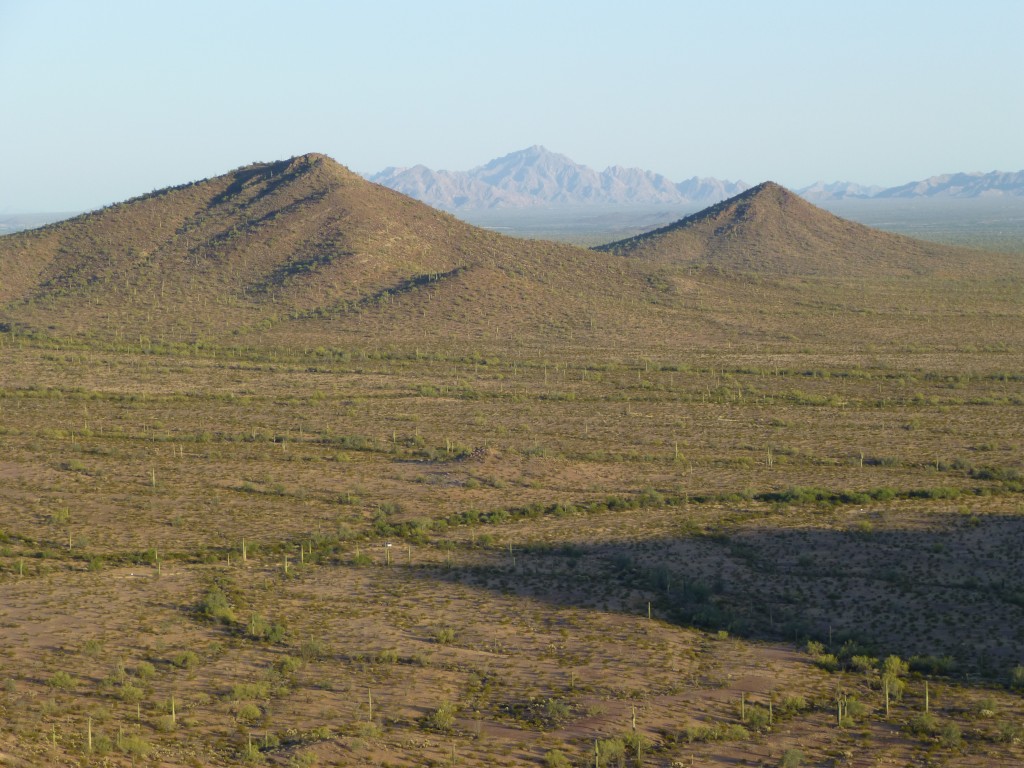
x=771 y=231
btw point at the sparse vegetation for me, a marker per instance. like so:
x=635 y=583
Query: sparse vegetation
x=530 y=498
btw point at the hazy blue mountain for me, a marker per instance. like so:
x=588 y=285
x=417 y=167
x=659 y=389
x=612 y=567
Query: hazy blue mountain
x=538 y=177
x=994 y=184
x=951 y=185
x=821 y=191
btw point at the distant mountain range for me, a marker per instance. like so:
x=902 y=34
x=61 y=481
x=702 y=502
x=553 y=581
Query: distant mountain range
x=537 y=177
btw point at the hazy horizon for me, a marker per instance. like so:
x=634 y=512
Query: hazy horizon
x=107 y=102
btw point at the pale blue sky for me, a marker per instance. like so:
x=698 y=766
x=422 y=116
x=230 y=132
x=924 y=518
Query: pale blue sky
x=100 y=101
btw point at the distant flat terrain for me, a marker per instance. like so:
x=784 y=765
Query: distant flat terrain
x=993 y=224
x=16 y=222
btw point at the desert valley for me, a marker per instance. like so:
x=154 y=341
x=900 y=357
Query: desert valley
x=301 y=471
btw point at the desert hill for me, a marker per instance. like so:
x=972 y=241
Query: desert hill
x=264 y=232
x=297 y=241
x=768 y=229
x=304 y=253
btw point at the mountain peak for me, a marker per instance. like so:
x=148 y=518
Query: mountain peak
x=536 y=176
x=769 y=229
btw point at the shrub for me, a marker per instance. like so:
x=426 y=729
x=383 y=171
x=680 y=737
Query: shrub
x=556 y=759
x=556 y=710
x=924 y=724
x=865 y=664
x=62 y=681
x=288 y=665
x=130 y=694
x=443 y=718
x=145 y=671
x=735 y=732
x=186 y=660
x=987 y=707
x=248 y=712
x=611 y=752
x=793 y=704
x=244 y=691
x=1017 y=677
x=445 y=636
x=134 y=745
x=216 y=606
x=856 y=709
x=791 y=758
x=828 y=662
x=92 y=647
x=312 y=649
x=164 y=724
x=949 y=736
x=264 y=629
x=756 y=717
x=934 y=665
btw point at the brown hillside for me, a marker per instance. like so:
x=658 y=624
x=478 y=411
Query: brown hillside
x=291 y=236
x=298 y=243
x=305 y=254
x=768 y=229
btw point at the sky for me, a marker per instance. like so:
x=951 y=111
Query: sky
x=107 y=99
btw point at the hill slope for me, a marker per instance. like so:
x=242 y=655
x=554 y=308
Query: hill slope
x=305 y=254
x=768 y=229
x=302 y=240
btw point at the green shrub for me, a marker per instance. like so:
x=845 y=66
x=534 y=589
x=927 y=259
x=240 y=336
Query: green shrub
x=62 y=681
x=828 y=662
x=735 y=732
x=865 y=664
x=856 y=709
x=245 y=691
x=312 y=649
x=129 y=693
x=793 y=704
x=611 y=752
x=556 y=759
x=756 y=717
x=216 y=606
x=164 y=724
x=443 y=718
x=791 y=758
x=924 y=724
x=248 y=712
x=288 y=665
x=933 y=665
x=134 y=746
x=949 y=736
x=445 y=636
x=264 y=629
x=186 y=660
x=1017 y=678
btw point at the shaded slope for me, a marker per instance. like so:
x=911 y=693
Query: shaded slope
x=768 y=229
